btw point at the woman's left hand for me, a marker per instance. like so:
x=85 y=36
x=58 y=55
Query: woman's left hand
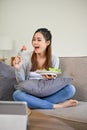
x=49 y=76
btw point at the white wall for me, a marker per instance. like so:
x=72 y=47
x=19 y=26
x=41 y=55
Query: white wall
x=67 y=20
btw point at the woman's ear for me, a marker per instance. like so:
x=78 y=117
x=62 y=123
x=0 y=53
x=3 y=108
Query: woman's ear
x=48 y=42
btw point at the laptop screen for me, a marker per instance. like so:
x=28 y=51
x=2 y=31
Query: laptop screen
x=13 y=108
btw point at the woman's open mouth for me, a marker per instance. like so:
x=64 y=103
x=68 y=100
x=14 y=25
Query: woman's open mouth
x=36 y=47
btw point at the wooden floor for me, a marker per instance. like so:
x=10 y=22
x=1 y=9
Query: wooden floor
x=39 y=121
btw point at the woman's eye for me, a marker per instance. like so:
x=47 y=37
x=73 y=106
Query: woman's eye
x=39 y=40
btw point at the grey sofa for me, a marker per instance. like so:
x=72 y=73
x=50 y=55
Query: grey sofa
x=75 y=67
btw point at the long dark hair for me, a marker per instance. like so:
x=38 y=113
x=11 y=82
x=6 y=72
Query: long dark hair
x=48 y=63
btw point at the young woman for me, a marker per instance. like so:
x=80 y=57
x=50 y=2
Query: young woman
x=41 y=58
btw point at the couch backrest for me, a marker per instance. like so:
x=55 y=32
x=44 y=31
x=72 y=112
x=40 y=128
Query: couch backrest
x=76 y=67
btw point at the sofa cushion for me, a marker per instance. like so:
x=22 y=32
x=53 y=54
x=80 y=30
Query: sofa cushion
x=76 y=67
x=7 y=81
x=77 y=113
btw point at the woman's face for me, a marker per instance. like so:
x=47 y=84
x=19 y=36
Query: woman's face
x=39 y=43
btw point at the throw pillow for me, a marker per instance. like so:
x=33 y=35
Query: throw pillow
x=42 y=88
x=7 y=81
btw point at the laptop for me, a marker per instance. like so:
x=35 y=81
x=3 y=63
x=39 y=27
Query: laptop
x=13 y=115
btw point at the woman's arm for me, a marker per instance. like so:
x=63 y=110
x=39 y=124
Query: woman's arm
x=55 y=61
x=22 y=72
x=55 y=64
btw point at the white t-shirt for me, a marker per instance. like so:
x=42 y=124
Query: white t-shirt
x=24 y=72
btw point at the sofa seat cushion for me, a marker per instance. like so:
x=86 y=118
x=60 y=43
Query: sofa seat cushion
x=78 y=113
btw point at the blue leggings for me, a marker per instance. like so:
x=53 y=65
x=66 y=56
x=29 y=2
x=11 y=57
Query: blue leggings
x=46 y=102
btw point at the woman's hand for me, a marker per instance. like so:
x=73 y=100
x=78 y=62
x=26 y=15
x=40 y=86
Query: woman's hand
x=17 y=62
x=49 y=76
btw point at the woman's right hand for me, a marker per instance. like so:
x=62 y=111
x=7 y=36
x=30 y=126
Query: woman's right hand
x=17 y=62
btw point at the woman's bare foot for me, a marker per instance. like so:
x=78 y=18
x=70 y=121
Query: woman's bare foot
x=68 y=103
